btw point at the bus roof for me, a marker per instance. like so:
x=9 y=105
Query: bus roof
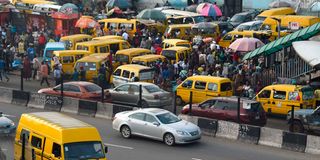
x=100 y=42
x=133 y=66
x=276 y=11
x=208 y=78
x=70 y=52
x=132 y=50
x=177 y=48
x=148 y=56
x=94 y=58
x=174 y=41
x=75 y=36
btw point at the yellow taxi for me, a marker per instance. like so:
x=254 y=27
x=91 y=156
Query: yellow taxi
x=72 y=40
x=148 y=60
x=176 y=53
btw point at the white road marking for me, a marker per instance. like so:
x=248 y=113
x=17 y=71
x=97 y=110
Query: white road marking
x=196 y=159
x=118 y=146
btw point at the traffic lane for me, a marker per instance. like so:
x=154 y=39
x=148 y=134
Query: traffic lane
x=138 y=148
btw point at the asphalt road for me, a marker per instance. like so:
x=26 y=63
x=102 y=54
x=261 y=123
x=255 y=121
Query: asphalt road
x=208 y=148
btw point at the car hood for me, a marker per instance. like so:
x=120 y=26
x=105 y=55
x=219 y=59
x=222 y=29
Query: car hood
x=4 y=121
x=303 y=112
x=183 y=126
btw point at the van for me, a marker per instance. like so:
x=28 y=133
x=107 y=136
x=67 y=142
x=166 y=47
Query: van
x=107 y=37
x=179 y=31
x=55 y=136
x=274 y=12
x=91 y=64
x=125 y=56
x=230 y=37
x=286 y=24
x=68 y=58
x=176 y=53
x=182 y=17
x=279 y=99
x=243 y=17
x=203 y=88
x=176 y=43
x=50 y=47
x=72 y=40
x=148 y=60
x=132 y=73
x=103 y=46
x=132 y=26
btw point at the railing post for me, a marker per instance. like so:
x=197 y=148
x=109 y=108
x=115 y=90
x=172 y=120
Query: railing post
x=190 y=103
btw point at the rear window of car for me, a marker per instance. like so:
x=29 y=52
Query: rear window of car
x=152 y=88
x=92 y=88
x=226 y=86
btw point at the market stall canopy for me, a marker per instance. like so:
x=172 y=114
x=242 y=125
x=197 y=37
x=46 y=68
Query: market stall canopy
x=279 y=4
x=286 y=41
x=152 y=14
x=87 y=22
x=123 y=4
x=246 y=44
x=309 y=52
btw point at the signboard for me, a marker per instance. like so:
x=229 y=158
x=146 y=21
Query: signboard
x=294 y=26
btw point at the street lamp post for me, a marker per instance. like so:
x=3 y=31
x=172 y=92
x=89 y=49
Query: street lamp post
x=282 y=55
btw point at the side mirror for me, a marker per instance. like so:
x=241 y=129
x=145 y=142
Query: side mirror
x=105 y=149
x=156 y=123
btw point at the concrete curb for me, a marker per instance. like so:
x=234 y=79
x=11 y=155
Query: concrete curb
x=5 y=95
x=313 y=144
x=37 y=100
x=104 y=110
x=70 y=105
x=270 y=137
x=228 y=130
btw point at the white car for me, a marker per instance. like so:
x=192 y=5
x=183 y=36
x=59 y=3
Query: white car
x=7 y=126
x=250 y=26
x=158 y=124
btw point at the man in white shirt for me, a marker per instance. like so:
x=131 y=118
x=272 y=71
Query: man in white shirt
x=125 y=35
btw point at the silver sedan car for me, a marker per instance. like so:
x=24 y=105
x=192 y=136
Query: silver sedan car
x=152 y=95
x=158 y=124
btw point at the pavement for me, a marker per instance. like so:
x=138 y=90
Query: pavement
x=136 y=148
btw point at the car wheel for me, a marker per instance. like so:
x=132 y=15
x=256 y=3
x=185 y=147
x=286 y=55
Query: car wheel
x=125 y=131
x=179 y=101
x=169 y=139
x=296 y=126
x=144 y=104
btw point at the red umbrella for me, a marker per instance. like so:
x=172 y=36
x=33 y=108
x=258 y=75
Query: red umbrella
x=87 y=22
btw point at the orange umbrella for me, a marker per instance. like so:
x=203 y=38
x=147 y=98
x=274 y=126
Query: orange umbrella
x=87 y=22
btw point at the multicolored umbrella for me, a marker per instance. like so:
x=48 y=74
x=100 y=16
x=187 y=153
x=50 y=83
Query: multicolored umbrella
x=152 y=14
x=208 y=9
x=246 y=44
x=87 y=22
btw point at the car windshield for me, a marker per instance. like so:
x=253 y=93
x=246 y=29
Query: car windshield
x=243 y=27
x=169 y=54
x=92 y=88
x=88 y=66
x=122 y=58
x=198 y=19
x=168 y=118
x=152 y=88
x=83 y=150
x=237 y=18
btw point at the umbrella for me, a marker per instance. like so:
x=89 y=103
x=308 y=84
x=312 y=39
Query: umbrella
x=152 y=14
x=278 y=4
x=245 y=44
x=315 y=7
x=69 y=8
x=207 y=9
x=123 y=4
x=309 y=52
x=87 y=22
x=218 y=10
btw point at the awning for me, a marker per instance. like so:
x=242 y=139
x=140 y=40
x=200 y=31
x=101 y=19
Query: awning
x=277 y=45
x=309 y=52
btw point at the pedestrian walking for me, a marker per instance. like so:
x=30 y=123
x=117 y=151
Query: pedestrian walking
x=35 y=66
x=44 y=73
x=2 y=70
x=26 y=68
x=57 y=75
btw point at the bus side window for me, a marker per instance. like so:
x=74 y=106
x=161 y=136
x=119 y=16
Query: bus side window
x=56 y=150
x=26 y=133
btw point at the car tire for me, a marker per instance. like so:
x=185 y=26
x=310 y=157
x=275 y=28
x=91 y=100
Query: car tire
x=169 y=139
x=297 y=126
x=144 y=104
x=179 y=101
x=125 y=131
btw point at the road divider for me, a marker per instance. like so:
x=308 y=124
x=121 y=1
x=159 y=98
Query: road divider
x=53 y=103
x=208 y=126
x=88 y=108
x=249 y=134
x=294 y=141
x=313 y=144
x=228 y=130
x=37 y=100
x=270 y=137
x=5 y=95
x=120 y=108
x=2 y=155
x=104 y=110
x=70 y=105
x=20 y=97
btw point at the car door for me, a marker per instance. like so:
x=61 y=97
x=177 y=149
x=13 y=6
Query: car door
x=264 y=97
x=136 y=123
x=133 y=94
x=74 y=91
x=118 y=93
x=66 y=90
x=212 y=90
x=279 y=102
x=217 y=110
x=199 y=92
x=184 y=90
x=116 y=79
x=152 y=127
x=314 y=120
x=203 y=109
x=230 y=111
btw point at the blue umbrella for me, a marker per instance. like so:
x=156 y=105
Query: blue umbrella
x=123 y=4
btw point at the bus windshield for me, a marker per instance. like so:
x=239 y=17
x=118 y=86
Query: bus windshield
x=83 y=150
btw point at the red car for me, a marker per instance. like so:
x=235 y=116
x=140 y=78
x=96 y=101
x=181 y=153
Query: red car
x=76 y=89
x=226 y=108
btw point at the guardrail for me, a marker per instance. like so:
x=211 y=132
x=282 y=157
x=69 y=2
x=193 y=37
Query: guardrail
x=211 y=127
